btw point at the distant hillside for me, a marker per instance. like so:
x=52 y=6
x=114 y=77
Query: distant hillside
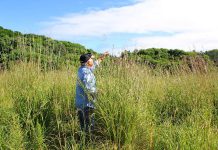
x=15 y=46
x=54 y=54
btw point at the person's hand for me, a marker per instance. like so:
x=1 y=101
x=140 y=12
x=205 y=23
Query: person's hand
x=106 y=53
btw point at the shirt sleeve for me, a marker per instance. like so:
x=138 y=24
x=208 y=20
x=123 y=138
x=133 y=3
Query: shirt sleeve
x=95 y=65
x=89 y=81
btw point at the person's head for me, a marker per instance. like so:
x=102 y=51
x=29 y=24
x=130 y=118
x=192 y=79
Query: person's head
x=87 y=59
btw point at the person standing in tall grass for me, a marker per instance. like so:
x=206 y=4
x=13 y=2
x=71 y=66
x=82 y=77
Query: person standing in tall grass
x=86 y=90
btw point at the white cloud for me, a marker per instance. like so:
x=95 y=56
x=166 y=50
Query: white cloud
x=193 y=21
x=187 y=41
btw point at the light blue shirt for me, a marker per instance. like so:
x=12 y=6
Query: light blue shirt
x=86 y=87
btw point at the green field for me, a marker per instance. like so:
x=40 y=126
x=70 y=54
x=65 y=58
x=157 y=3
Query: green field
x=137 y=108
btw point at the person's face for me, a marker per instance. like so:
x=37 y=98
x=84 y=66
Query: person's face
x=90 y=62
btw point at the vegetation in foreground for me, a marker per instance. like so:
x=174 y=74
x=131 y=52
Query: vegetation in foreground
x=137 y=108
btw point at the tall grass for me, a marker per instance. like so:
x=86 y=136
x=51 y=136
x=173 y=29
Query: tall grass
x=136 y=109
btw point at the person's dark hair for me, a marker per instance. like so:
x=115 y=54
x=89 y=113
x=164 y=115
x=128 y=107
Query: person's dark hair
x=85 y=57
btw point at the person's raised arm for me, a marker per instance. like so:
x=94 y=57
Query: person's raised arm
x=99 y=60
x=102 y=57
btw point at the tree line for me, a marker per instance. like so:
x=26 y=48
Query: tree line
x=15 y=46
x=50 y=53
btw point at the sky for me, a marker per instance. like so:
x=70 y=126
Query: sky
x=117 y=25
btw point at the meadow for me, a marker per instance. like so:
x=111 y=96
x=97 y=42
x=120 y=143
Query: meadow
x=137 y=108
